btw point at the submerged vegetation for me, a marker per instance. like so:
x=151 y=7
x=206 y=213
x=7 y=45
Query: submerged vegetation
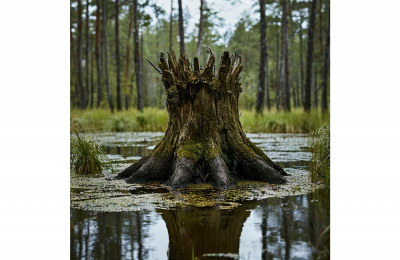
x=156 y=120
x=320 y=160
x=87 y=157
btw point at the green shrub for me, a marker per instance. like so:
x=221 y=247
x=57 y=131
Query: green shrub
x=320 y=161
x=87 y=157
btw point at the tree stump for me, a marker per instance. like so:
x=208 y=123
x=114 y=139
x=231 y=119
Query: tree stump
x=204 y=141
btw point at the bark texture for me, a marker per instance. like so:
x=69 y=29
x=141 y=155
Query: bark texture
x=98 y=49
x=80 y=76
x=200 y=35
x=138 y=67
x=110 y=100
x=261 y=73
x=326 y=65
x=310 y=52
x=204 y=141
x=119 y=94
x=181 y=30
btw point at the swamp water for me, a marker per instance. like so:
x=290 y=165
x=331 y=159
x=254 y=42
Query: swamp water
x=114 y=220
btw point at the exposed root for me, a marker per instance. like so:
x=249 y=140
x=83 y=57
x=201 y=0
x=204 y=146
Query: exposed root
x=220 y=173
x=132 y=169
x=183 y=173
x=152 y=170
x=258 y=170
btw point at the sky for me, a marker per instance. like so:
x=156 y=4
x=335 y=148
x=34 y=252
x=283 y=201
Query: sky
x=230 y=13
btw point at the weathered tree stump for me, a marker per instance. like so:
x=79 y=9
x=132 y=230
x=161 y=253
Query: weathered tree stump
x=204 y=141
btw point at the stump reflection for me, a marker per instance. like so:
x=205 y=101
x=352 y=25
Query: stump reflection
x=204 y=230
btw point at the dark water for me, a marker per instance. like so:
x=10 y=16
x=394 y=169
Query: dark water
x=275 y=228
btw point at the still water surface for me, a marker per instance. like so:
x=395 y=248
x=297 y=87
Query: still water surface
x=274 y=228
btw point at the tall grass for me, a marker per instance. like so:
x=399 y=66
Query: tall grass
x=153 y=119
x=320 y=160
x=86 y=156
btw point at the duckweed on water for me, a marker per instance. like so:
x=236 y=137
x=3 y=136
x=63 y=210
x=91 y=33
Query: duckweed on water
x=98 y=194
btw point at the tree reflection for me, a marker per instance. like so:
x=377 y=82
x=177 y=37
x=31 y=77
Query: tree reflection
x=204 y=230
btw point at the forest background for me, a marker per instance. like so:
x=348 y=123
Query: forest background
x=285 y=53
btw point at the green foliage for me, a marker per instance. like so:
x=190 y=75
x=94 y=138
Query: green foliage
x=86 y=156
x=280 y=122
x=151 y=119
x=320 y=161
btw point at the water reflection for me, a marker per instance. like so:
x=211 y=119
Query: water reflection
x=274 y=228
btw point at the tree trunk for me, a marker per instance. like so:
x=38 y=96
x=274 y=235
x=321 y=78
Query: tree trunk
x=315 y=89
x=204 y=141
x=80 y=76
x=87 y=61
x=110 y=100
x=285 y=61
x=91 y=75
x=138 y=69
x=181 y=31
x=170 y=27
x=126 y=72
x=310 y=52
x=98 y=55
x=326 y=65
x=75 y=69
x=278 y=97
x=263 y=51
x=119 y=95
x=200 y=36
x=267 y=71
x=301 y=61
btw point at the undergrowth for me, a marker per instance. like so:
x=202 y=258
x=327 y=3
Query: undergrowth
x=156 y=120
x=320 y=161
x=86 y=156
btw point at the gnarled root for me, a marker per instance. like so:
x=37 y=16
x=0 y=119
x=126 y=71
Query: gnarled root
x=153 y=169
x=132 y=169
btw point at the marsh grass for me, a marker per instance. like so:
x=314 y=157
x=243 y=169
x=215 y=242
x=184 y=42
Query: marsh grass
x=153 y=119
x=86 y=156
x=320 y=161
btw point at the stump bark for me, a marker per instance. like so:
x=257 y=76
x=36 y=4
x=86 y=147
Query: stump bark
x=204 y=141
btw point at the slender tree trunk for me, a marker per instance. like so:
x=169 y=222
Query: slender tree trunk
x=310 y=52
x=181 y=30
x=278 y=80
x=301 y=61
x=263 y=52
x=200 y=36
x=266 y=69
x=297 y=88
x=285 y=61
x=326 y=65
x=204 y=141
x=314 y=88
x=138 y=69
x=75 y=97
x=91 y=76
x=144 y=81
x=87 y=61
x=126 y=72
x=80 y=76
x=170 y=27
x=98 y=50
x=119 y=95
x=110 y=100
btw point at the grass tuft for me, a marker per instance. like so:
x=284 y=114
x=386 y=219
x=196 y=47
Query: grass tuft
x=320 y=160
x=87 y=157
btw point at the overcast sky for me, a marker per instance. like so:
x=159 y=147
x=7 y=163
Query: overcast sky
x=230 y=13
